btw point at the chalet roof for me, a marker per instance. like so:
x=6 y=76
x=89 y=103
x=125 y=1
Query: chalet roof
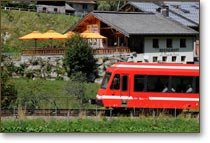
x=186 y=13
x=53 y=3
x=68 y=7
x=135 y=23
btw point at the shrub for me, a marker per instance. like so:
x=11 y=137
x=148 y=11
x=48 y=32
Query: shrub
x=8 y=91
x=79 y=57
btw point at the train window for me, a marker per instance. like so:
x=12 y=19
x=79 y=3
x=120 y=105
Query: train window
x=183 y=84
x=157 y=83
x=115 y=82
x=105 y=80
x=124 y=83
x=139 y=81
x=197 y=85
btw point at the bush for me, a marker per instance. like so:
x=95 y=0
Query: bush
x=79 y=57
x=75 y=87
x=8 y=91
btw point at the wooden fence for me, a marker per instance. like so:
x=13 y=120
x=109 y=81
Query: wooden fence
x=61 y=51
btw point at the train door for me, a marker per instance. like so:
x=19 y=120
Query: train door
x=115 y=85
x=124 y=85
x=124 y=92
x=114 y=90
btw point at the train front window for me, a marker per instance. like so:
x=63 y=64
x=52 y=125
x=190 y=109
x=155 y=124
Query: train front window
x=115 y=82
x=105 y=80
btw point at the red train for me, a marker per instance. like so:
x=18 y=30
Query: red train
x=144 y=85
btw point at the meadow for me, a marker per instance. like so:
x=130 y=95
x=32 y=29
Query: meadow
x=51 y=94
x=102 y=125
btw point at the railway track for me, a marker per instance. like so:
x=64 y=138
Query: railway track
x=103 y=112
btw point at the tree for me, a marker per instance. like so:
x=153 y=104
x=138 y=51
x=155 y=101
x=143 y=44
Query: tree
x=79 y=57
x=8 y=91
x=110 y=5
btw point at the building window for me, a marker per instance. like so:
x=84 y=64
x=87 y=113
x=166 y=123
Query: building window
x=164 y=58
x=182 y=43
x=55 y=10
x=155 y=59
x=44 y=9
x=183 y=58
x=84 y=6
x=173 y=58
x=169 y=43
x=155 y=43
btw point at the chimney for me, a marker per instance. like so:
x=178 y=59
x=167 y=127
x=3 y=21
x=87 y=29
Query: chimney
x=164 y=10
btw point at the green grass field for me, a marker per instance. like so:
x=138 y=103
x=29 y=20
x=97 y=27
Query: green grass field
x=49 y=92
x=19 y=23
x=96 y=125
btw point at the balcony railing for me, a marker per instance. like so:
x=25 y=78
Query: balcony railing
x=44 y=51
x=111 y=50
x=61 y=51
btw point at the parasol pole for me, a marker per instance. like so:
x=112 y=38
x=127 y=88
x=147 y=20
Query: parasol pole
x=35 y=45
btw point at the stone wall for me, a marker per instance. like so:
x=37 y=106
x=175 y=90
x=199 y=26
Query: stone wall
x=52 y=68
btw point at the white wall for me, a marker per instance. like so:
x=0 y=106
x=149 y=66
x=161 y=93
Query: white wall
x=50 y=9
x=150 y=52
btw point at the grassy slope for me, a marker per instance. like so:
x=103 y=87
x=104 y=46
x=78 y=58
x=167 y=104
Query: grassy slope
x=53 y=90
x=20 y=23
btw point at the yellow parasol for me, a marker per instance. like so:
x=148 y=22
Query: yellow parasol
x=35 y=35
x=52 y=35
x=90 y=35
x=69 y=34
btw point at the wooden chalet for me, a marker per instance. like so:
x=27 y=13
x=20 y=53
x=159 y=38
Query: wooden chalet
x=139 y=32
x=152 y=37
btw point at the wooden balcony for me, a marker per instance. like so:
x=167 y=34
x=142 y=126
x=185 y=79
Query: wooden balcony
x=44 y=51
x=61 y=51
x=111 y=50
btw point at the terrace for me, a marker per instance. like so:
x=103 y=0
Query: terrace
x=61 y=51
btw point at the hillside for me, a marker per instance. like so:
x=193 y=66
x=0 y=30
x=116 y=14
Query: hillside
x=15 y=24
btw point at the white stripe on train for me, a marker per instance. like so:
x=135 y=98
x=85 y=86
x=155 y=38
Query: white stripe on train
x=156 y=67
x=150 y=98
x=173 y=99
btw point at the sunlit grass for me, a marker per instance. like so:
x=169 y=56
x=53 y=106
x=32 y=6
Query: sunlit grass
x=114 y=125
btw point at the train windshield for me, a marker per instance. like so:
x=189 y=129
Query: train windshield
x=106 y=80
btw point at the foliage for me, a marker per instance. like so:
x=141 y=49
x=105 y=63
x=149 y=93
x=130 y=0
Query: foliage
x=18 y=5
x=103 y=6
x=117 y=125
x=110 y=5
x=51 y=94
x=79 y=57
x=38 y=94
x=75 y=87
x=8 y=91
